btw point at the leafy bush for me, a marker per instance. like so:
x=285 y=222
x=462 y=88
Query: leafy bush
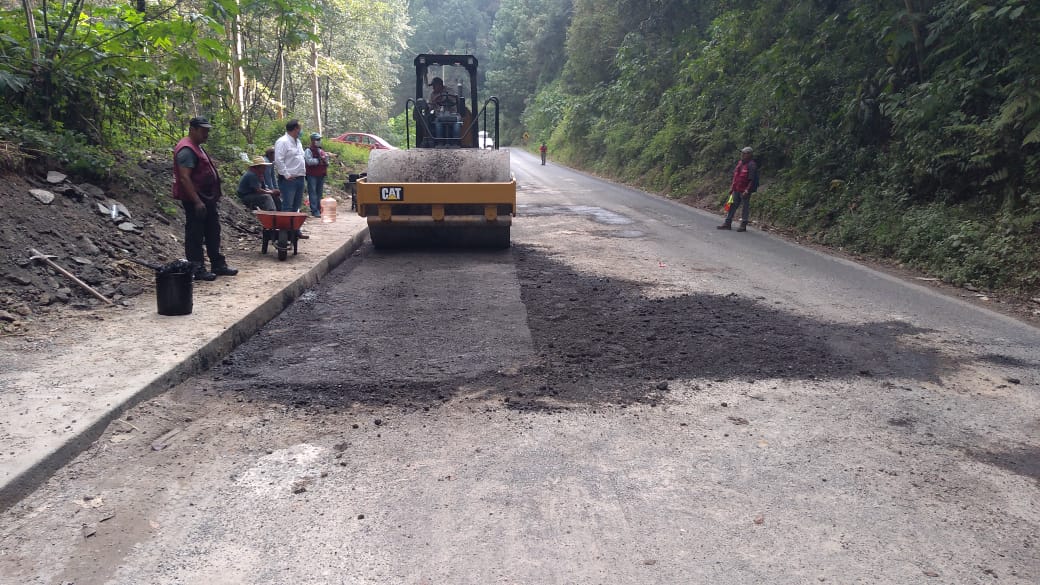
x=65 y=149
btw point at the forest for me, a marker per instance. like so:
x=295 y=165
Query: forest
x=906 y=130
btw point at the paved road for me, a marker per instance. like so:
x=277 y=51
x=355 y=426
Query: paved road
x=627 y=396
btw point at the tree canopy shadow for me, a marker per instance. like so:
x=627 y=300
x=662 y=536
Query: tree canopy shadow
x=1022 y=460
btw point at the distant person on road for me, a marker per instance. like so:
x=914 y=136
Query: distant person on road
x=196 y=184
x=251 y=189
x=317 y=161
x=544 y=150
x=291 y=168
x=745 y=182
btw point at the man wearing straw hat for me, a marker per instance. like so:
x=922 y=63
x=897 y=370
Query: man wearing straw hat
x=251 y=189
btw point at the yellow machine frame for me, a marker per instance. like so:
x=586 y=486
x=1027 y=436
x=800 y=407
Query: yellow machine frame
x=379 y=206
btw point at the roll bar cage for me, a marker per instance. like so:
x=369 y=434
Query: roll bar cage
x=421 y=110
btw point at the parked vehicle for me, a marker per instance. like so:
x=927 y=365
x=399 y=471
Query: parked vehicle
x=485 y=140
x=370 y=141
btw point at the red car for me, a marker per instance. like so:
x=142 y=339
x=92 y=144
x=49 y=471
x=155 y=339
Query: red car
x=370 y=141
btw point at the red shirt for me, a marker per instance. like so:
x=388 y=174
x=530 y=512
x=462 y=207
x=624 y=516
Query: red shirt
x=742 y=177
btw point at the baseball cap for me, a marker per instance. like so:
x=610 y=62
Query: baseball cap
x=315 y=136
x=200 y=122
x=258 y=161
x=747 y=149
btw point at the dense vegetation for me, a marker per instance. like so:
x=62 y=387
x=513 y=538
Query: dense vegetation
x=908 y=130
x=904 y=129
x=87 y=78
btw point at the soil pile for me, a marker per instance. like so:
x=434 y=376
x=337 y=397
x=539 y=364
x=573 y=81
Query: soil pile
x=94 y=231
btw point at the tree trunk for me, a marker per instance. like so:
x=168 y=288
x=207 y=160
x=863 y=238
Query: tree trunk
x=316 y=83
x=281 y=89
x=236 y=73
x=30 y=23
x=918 y=42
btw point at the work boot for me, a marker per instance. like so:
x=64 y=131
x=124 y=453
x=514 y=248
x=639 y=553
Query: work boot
x=302 y=236
x=200 y=272
x=725 y=226
x=743 y=227
x=224 y=270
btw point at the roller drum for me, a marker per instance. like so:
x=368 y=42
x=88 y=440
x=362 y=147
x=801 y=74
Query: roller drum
x=437 y=165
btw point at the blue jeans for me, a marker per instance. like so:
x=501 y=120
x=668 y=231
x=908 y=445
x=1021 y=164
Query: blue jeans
x=292 y=193
x=315 y=191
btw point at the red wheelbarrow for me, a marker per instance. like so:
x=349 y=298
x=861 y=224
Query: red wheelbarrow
x=282 y=228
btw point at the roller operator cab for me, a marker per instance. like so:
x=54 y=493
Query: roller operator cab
x=446 y=190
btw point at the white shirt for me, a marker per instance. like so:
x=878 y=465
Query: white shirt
x=288 y=157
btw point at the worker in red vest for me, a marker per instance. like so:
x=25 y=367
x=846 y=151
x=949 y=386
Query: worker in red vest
x=745 y=182
x=196 y=184
x=317 y=161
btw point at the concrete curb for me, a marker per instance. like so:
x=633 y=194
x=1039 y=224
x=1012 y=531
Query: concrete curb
x=206 y=356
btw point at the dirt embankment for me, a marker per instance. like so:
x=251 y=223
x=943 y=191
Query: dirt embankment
x=93 y=231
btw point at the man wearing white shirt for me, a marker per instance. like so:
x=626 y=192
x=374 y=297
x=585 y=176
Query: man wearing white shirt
x=290 y=166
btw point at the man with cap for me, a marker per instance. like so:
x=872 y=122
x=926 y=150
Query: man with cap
x=251 y=188
x=317 y=161
x=439 y=96
x=196 y=184
x=745 y=182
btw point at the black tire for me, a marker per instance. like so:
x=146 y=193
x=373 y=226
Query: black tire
x=283 y=244
x=396 y=237
x=498 y=237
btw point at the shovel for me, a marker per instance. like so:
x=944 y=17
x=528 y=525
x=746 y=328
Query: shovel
x=38 y=255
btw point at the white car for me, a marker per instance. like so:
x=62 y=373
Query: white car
x=485 y=140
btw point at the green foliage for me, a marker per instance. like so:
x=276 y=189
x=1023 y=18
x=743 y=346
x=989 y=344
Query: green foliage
x=908 y=130
x=350 y=156
x=97 y=71
x=546 y=112
x=397 y=127
x=527 y=53
x=64 y=149
x=953 y=242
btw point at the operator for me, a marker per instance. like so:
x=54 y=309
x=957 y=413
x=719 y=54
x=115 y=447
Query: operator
x=439 y=96
x=446 y=121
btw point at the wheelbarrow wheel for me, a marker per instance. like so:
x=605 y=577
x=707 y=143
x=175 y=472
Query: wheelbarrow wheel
x=283 y=244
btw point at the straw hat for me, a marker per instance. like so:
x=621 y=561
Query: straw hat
x=259 y=161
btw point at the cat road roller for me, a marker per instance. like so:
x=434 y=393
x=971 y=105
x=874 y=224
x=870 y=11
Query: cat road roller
x=446 y=191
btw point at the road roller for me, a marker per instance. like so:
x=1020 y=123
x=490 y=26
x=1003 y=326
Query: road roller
x=446 y=191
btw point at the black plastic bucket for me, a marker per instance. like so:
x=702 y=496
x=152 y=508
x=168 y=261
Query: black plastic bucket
x=173 y=292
